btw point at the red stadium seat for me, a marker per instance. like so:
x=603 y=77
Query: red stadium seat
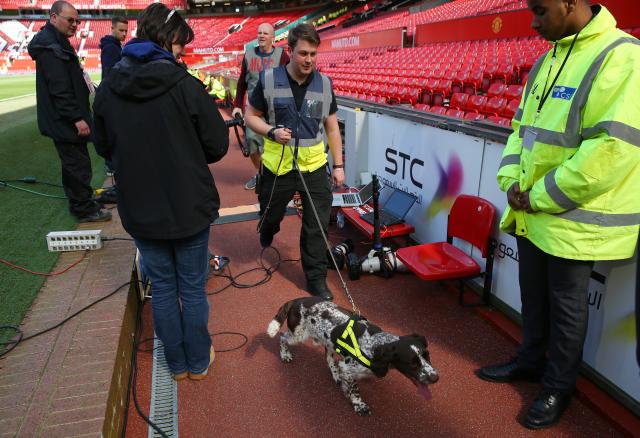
x=470 y=219
x=476 y=103
x=441 y=110
x=495 y=106
x=421 y=107
x=513 y=92
x=502 y=121
x=511 y=108
x=496 y=89
x=458 y=114
x=459 y=101
x=473 y=116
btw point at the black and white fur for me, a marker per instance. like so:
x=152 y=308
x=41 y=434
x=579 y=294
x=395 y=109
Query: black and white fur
x=311 y=317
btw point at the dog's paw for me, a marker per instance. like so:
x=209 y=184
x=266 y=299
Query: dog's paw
x=286 y=357
x=362 y=409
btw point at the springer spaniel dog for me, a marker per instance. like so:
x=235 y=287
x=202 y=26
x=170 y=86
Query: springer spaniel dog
x=354 y=347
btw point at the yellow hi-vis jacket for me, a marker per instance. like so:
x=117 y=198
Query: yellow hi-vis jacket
x=580 y=156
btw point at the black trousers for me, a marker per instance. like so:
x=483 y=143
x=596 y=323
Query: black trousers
x=312 y=246
x=638 y=305
x=76 y=177
x=554 y=293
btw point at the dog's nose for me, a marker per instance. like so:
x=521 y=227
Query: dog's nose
x=433 y=378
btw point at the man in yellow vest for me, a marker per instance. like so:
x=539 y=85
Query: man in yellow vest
x=571 y=171
x=298 y=105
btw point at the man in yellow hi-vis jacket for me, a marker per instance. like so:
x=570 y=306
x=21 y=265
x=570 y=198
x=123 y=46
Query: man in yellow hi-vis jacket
x=571 y=171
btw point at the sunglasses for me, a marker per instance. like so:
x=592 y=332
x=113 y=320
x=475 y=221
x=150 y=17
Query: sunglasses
x=71 y=20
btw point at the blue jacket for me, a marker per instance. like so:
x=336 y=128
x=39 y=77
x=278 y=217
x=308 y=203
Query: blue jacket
x=111 y=53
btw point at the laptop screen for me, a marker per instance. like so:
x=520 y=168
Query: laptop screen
x=399 y=203
x=366 y=192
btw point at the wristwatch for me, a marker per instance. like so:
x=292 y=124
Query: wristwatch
x=272 y=134
x=338 y=166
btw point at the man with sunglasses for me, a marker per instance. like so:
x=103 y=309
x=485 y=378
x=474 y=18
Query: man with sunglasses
x=64 y=114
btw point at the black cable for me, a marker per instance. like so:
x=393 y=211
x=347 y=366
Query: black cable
x=106 y=239
x=13 y=344
x=269 y=271
x=134 y=374
x=11 y=186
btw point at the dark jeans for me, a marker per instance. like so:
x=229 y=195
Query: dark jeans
x=554 y=293
x=312 y=246
x=76 y=178
x=178 y=272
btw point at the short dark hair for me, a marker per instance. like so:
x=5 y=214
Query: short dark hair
x=303 y=31
x=58 y=6
x=118 y=19
x=163 y=26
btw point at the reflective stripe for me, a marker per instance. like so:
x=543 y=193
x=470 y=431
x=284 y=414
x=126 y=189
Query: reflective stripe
x=571 y=136
x=601 y=219
x=533 y=73
x=518 y=115
x=326 y=97
x=618 y=130
x=510 y=159
x=282 y=92
x=556 y=193
x=269 y=88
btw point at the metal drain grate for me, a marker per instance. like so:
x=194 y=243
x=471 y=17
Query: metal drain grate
x=164 y=395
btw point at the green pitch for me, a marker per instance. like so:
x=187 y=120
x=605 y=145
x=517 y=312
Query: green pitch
x=14 y=86
x=27 y=218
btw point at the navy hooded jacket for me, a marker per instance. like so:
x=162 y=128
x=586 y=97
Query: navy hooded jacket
x=160 y=128
x=110 y=53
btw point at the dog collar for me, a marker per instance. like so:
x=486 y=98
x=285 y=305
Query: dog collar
x=347 y=345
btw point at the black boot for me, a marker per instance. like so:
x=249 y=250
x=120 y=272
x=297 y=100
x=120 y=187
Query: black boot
x=509 y=372
x=547 y=409
x=318 y=288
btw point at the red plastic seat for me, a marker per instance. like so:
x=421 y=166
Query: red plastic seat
x=502 y=121
x=474 y=116
x=459 y=101
x=452 y=112
x=513 y=92
x=471 y=219
x=510 y=110
x=440 y=110
x=496 y=89
x=495 y=106
x=421 y=107
x=476 y=103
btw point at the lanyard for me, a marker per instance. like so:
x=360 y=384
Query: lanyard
x=545 y=92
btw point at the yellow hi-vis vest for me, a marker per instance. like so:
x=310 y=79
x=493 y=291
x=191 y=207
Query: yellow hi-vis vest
x=580 y=157
x=307 y=124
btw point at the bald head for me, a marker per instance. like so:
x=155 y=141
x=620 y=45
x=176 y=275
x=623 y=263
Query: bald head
x=64 y=17
x=266 y=35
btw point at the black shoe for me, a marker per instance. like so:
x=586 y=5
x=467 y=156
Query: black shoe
x=318 y=288
x=508 y=372
x=547 y=409
x=98 y=216
x=265 y=239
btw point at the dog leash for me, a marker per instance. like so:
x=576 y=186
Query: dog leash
x=324 y=237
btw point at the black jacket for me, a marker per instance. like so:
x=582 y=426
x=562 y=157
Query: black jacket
x=160 y=129
x=110 y=53
x=62 y=93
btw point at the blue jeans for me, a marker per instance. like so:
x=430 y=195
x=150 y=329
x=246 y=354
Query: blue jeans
x=178 y=272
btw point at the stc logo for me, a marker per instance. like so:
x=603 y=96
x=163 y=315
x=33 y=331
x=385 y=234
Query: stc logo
x=393 y=156
x=449 y=185
x=562 y=92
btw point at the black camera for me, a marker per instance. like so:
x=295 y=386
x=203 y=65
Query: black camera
x=340 y=253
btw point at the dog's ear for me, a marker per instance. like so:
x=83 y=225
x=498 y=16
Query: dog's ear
x=382 y=358
x=419 y=339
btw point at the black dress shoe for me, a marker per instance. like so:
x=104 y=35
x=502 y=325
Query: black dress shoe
x=547 y=409
x=508 y=372
x=319 y=289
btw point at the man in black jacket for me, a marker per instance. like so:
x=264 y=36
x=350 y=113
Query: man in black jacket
x=111 y=45
x=64 y=115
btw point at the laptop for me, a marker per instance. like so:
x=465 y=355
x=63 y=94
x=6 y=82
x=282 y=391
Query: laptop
x=394 y=210
x=353 y=199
